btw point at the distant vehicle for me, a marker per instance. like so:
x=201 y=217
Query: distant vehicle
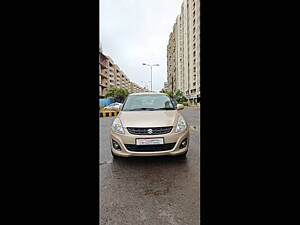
x=113 y=106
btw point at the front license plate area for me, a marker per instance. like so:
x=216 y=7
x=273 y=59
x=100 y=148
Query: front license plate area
x=149 y=141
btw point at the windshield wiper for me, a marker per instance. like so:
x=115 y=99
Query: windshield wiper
x=164 y=109
x=140 y=109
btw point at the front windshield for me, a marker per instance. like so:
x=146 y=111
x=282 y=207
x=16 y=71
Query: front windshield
x=148 y=102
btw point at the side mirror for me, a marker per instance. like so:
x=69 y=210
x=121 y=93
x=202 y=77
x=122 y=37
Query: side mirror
x=179 y=107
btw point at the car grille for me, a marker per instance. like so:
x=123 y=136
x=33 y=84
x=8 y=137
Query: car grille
x=145 y=131
x=150 y=148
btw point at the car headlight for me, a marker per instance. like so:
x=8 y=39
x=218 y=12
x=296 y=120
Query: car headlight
x=181 y=125
x=117 y=126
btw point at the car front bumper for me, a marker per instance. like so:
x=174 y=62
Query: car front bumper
x=127 y=138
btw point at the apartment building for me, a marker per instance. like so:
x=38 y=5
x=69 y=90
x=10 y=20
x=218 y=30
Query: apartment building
x=194 y=48
x=179 y=50
x=171 y=64
x=112 y=76
x=184 y=71
x=134 y=88
x=124 y=81
x=110 y=72
x=103 y=74
x=166 y=87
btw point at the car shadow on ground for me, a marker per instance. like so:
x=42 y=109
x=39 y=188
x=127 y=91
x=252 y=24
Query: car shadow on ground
x=152 y=161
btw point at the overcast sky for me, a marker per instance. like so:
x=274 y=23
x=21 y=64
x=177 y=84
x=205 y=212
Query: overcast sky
x=136 y=31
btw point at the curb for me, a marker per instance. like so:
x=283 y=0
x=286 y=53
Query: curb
x=108 y=114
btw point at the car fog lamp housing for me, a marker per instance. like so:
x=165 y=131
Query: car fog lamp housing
x=115 y=145
x=183 y=143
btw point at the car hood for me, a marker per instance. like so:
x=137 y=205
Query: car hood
x=162 y=118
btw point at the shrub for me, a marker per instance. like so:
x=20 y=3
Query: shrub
x=185 y=103
x=177 y=95
x=119 y=94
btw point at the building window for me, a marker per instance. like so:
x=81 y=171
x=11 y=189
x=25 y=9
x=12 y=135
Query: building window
x=194 y=54
x=194 y=69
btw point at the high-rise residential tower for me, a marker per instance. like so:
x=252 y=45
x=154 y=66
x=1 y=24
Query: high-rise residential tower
x=184 y=71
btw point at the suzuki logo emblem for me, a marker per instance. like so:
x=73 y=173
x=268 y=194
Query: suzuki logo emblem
x=150 y=131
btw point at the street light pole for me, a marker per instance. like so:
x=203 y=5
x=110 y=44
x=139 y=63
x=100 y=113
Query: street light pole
x=144 y=64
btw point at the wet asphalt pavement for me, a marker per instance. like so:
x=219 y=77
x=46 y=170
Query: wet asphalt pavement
x=152 y=191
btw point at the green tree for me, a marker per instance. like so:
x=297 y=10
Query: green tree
x=170 y=93
x=110 y=92
x=119 y=94
x=178 y=95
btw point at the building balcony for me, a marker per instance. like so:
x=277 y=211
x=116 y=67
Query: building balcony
x=104 y=74
x=103 y=64
x=103 y=85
